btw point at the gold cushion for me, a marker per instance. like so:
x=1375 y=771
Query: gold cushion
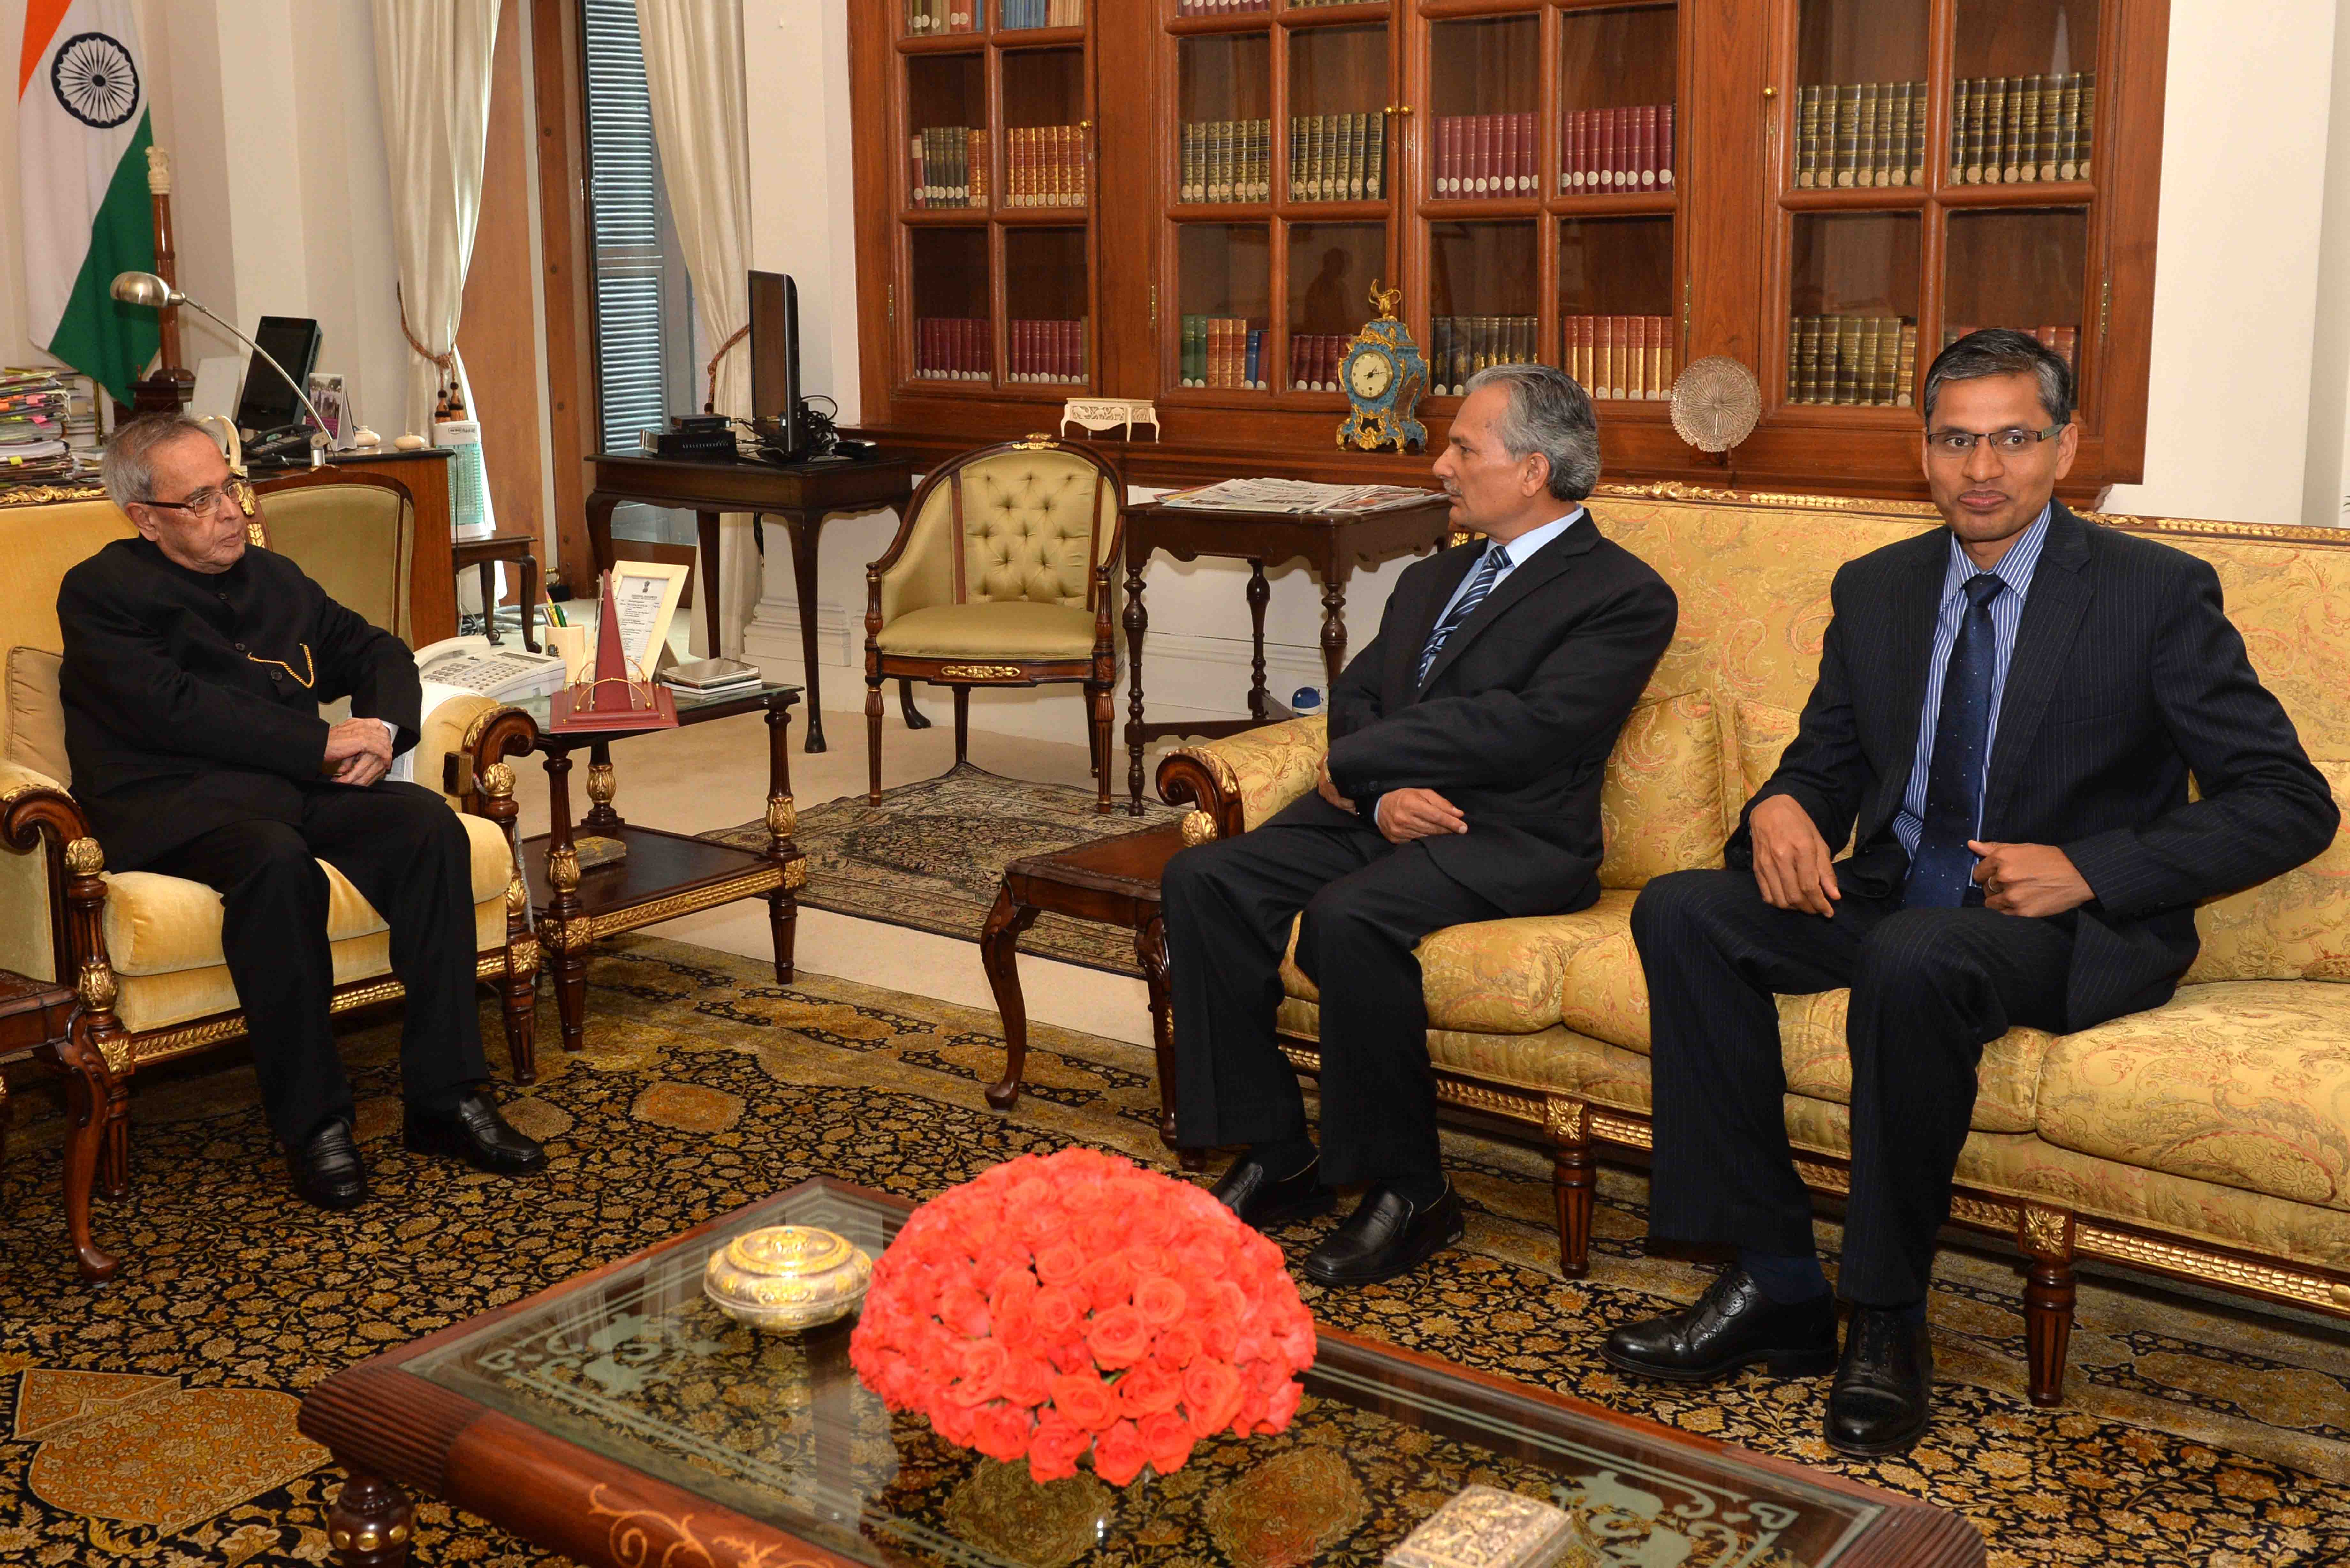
x=37 y=714
x=353 y=540
x=984 y=631
x=1818 y=1065
x=25 y=934
x=2243 y=1083
x=1764 y=731
x=1661 y=803
x=162 y=925
x=2294 y=926
x=1029 y=526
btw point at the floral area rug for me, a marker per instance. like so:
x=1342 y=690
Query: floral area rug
x=153 y=1420
x=931 y=856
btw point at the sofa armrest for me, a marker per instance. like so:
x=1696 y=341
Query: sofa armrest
x=37 y=820
x=1244 y=780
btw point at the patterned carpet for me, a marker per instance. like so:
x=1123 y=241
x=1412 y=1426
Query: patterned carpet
x=931 y=854
x=152 y=1421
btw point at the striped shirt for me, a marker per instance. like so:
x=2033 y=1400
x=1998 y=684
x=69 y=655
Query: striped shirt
x=2014 y=569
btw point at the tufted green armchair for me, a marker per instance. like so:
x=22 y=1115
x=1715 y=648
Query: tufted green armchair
x=1001 y=575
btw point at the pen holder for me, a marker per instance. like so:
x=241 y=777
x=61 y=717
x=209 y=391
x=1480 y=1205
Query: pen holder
x=571 y=641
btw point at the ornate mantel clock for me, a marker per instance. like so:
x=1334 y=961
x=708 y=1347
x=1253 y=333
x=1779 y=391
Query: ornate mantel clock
x=1385 y=377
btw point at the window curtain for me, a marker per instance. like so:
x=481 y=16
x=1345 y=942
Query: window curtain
x=693 y=75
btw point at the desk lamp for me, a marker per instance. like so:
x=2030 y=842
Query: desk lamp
x=146 y=288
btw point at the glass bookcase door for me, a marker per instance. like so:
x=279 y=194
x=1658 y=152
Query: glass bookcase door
x=1046 y=124
x=1224 y=302
x=1336 y=114
x=1618 y=74
x=2025 y=270
x=2023 y=91
x=1852 y=330
x=947 y=140
x=1481 y=141
x=1331 y=269
x=1483 y=300
x=1047 y=328
x=1224 y=114
x=1030 y=16
x=1861 y=107
x=1618 y=332
x=954 y=324
x=930 y=18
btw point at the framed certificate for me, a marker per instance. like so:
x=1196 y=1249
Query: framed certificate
x=644 y=598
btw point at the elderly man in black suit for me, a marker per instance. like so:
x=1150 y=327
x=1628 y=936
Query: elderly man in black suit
x=1466 y=743
x=194 y=669
x=2008 y=711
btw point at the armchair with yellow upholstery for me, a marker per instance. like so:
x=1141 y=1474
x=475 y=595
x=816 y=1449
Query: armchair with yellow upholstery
x=144 y=950
x=1002 y=574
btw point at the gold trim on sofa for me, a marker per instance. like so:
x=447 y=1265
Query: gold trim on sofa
x=162 y=1044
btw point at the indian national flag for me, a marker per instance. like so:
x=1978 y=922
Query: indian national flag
x=82 y=134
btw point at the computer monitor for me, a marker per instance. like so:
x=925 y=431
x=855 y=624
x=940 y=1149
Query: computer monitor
x=776 y=361
x=268 y=402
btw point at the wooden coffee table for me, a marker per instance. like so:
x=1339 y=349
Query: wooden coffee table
x=620 y=1419
x=38 y=1019
x=1115 y=882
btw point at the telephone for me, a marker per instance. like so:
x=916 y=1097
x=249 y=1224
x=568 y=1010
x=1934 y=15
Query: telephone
x=494 y=669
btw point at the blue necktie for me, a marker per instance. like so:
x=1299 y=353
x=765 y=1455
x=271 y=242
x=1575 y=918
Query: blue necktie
x=1481 y=583
x=1942 y=874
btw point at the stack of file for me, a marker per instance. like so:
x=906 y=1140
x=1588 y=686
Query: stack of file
x=711 y=678
x=32 y=446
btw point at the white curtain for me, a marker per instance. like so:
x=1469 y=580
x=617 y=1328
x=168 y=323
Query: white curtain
x=433 y=81
x=693 y=70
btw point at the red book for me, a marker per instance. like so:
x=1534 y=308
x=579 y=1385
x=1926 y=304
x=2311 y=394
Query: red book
x=1489 y=154
x=1327 y=372
x=1603 y=160
x=1665 y=145
x=1627 y=176
x=1506 y=169
x=1456 y=157
x=1566 y=151
x=1529 y=155
x=1648 y=147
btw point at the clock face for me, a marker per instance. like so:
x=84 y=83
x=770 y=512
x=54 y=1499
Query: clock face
x=1370 y=373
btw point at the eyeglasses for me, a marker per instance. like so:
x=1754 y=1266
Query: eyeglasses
x=237 y=492
x=2011 y=442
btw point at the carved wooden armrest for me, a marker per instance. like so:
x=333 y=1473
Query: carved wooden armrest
x=32 y=806
x=1243 y=780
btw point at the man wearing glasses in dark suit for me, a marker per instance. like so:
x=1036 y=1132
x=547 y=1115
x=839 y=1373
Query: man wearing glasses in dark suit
x=2007 y=716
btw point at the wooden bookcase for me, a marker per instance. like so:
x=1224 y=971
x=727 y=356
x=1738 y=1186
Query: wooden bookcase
x=1738 y=252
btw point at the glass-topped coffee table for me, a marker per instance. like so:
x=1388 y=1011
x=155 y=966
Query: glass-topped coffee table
x=622 y=1419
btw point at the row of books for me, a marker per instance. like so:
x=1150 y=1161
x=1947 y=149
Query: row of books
x=1019 y=13
x=2017 y=129
x=953 y=348
x=950 y=167
x=1628 y=357
x=1044 y=166
x=2065 y=341
x=35 y=406
x=1225 y=8
x=1314 y=360
x=1223 y=351
x=1603 y=152
x=1864 y=133
x=1225 y=161
x=1460 y=346
x=964 y=16
x=1047 y=350
x=1338 y=157
x=1485 y=155
x=942 y=16
x=1866 y=361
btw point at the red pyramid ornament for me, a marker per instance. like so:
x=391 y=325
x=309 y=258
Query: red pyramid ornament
x=612 y=698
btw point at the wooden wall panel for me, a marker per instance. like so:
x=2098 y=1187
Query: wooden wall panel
x=559 y=113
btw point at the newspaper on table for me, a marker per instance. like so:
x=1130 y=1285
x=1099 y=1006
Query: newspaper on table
x=1295 y=496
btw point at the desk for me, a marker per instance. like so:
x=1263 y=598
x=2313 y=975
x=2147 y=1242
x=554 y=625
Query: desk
x=803 y=496
x=1328 y=543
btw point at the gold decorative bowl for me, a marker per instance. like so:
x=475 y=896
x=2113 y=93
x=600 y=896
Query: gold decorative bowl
x=787 y=1278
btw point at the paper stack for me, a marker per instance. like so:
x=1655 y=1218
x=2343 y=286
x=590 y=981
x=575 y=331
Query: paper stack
x=32 y=446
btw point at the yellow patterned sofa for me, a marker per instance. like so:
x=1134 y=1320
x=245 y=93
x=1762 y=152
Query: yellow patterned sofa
x=2208 y=1140
x=143 y=950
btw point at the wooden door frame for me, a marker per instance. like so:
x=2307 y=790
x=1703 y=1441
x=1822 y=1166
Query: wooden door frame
x=559 y=106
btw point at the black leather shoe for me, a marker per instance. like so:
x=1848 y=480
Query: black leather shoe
x=475 y=1132
x=1732 y=1324
x=1383 y=1237
x=1251 y=1191
x=1883 y=1396
x=326 y=1170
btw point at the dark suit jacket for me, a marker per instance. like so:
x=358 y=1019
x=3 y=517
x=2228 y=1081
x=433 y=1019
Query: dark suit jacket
x=2127 y=676
x=173 y=725
x=1517 y=716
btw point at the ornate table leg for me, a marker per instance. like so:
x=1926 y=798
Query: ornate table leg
x=371 y=1523
x=705 y=580
x=602 y=785
x=1137 y=620
x=566 y=927
x=90 y=1089
x=783 y=820
x=805 y=529
x=2046 y=1237
x=1258 y=593
x=1150 y=949
x=999 y=954
x=1334 y=620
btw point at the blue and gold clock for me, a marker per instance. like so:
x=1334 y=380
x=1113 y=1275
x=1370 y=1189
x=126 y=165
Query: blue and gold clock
x=1384 y=376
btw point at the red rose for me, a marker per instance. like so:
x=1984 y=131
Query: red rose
x=1119 y=1454
x=1160 y=1300
x=1148 y=1389
x=1059 y=1262
x=1220 y=1331
x=956 y=1423
x=1119 y=1337
x=1084 y=1399
x=1070 y=1354
x=981 y=1373
x=1109 y=1282
x=1166 y=1437
x=1055 y=1447
x=1212 y=1396
x=1028 y=1380
x=1282 y=1406
x=963 y=1310
x=1058 y=1314
x=1178 y=1344
x=1002 y=1432
x=1100 y=1233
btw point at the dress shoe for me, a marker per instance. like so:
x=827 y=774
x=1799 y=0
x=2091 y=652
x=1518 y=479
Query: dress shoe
x=473 y=1132
x=327 y=1170
x=1385 y=1236
x=1731 y=1325
x=1264 y=1200
x=1883 y=1396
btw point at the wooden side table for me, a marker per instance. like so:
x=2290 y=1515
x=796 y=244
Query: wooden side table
x=1328 y=543
x=486 y=554
x=39 y=1020
x=1114 y=881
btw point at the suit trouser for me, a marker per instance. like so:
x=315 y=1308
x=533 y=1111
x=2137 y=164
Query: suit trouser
x=406 y=852
x=1228 y=904
x=1930 y=989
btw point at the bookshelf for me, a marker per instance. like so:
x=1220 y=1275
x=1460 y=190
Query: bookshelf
x=1823 y=190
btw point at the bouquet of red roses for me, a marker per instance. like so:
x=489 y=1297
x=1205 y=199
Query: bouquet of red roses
x=1075 y=1303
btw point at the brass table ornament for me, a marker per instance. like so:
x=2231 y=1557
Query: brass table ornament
x=787 y=1278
